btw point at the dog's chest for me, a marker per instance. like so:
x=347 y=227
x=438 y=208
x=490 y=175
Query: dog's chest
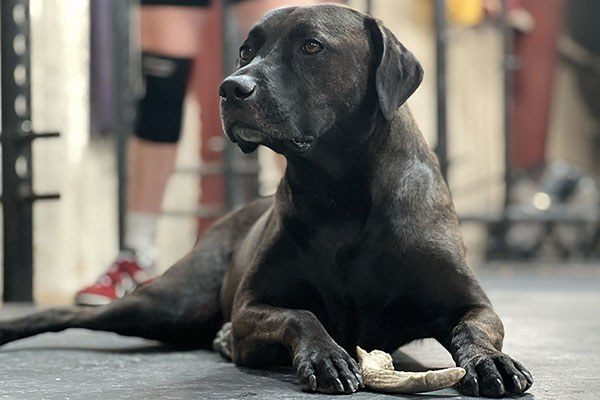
x=360 y=281
x=358 y=307
x=335 y=245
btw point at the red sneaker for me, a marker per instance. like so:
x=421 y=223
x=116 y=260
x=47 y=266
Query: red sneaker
x=123 y=277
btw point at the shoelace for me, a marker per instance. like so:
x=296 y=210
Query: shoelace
x=115 y=274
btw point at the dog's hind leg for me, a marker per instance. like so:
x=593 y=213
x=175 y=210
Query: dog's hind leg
x=182 y=306
x=157 y=311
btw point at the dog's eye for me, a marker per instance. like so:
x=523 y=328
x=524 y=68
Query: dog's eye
x=246 y=53
x=311 y=47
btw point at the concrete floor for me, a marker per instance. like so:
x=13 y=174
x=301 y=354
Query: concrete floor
x=552 y=325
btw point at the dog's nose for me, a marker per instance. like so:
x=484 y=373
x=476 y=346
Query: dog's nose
x=237 y=88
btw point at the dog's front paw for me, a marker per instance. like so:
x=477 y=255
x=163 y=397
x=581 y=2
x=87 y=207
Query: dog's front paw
x=327 y=369
x=222 y=342
x=494 y=375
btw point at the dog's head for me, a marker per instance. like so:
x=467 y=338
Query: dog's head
x=315 y=76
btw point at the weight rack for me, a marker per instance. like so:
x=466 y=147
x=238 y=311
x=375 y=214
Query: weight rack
x=17 y=134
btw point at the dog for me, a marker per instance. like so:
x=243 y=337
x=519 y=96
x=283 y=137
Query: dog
x=359 y=246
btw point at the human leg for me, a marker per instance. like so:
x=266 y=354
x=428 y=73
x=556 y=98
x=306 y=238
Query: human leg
x=169 y=42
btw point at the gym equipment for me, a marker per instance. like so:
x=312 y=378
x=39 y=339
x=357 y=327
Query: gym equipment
x=18 y=194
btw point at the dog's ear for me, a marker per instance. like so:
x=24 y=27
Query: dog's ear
x=398 y=72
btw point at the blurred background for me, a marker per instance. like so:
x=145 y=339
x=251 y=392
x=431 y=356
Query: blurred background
x=510 y=102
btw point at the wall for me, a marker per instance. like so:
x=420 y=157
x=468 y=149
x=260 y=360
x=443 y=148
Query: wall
x=75 y=237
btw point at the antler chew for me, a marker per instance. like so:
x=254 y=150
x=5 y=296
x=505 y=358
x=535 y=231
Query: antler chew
x=378 y=374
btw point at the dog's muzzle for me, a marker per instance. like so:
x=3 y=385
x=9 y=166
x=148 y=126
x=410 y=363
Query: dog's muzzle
x=237 y=96
x=236 y=89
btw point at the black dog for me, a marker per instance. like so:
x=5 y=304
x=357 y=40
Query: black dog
x=360 y=245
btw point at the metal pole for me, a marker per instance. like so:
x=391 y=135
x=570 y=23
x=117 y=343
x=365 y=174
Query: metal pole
x=17 y=135
x=497 y=245
x=369 y=7
x=16 y=155
x=124 y=105
x=241 y=171
x=229 y=38
x=510 y=64
x=440 y=69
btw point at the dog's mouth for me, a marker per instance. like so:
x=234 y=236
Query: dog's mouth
x=248 y=137
x=245 y=136
x=247 y=133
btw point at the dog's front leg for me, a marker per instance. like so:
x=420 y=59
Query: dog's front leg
x=475 y=343
x=321 y=364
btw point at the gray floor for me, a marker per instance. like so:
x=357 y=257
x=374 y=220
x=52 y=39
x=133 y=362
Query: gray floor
x=552 y=325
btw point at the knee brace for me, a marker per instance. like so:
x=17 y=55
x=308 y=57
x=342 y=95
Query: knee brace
x=159 y=111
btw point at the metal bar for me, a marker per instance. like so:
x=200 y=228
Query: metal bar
x=369 y=7
x=16 y=153
x=39 y=196
x=441 y=147
x=34 y=135
x=499 y=229
x=510 y=63
x=243 y=168
x=230 y=37
x=511 y=216
x=533 y=219
x=200 y=212
x=241 y=186
x=124 y=105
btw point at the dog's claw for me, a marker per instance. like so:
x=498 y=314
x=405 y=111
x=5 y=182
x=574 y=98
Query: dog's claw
x=338 y=385
x=500 y=386
x=517 y=383
x=351 y=385
x=476 y=385
x=313 y=382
